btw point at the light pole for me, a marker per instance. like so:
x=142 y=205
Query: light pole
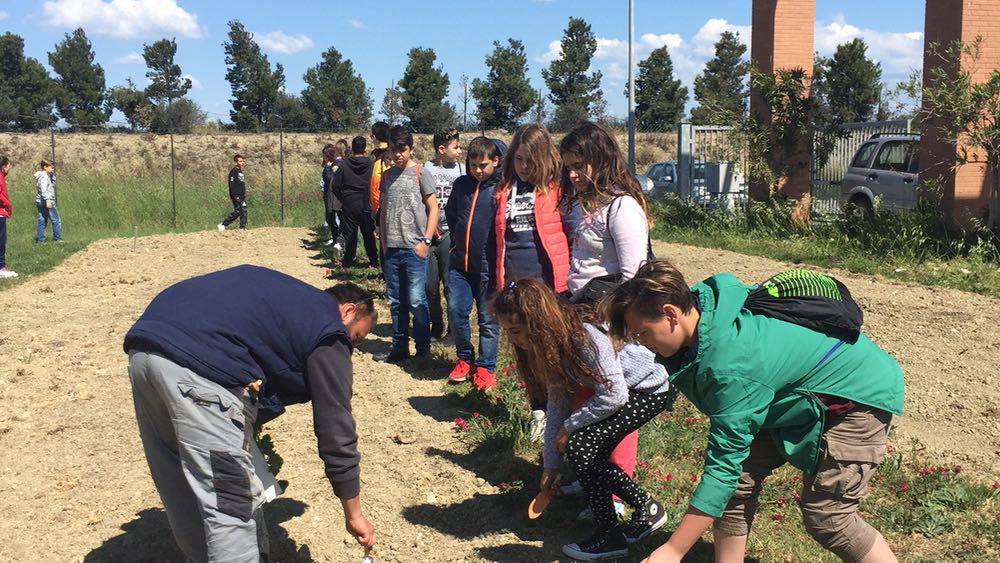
x=631 y=91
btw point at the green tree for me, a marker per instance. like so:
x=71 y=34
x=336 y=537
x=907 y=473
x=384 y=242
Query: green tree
x=133 y=104
x=423 y=90
x=506 y=95
x=26 y=90
x=571 y=89
x=291 y=111
x=336 y=94
x=80 y=84
x=180 y=116
x=254 y=85
x=853 y=83
x=392 y=104
x=722 y=85
x=165 y=80
x=659 y=97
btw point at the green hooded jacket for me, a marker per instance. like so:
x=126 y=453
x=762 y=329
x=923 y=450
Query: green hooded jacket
x=751 y=373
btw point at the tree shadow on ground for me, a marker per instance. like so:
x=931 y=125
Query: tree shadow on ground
x=147 y=537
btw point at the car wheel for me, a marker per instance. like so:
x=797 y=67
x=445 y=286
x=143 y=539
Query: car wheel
x=860 y=204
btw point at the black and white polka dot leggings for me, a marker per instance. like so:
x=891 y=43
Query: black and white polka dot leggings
x=589 y=453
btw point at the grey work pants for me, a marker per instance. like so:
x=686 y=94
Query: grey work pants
x=211 y=477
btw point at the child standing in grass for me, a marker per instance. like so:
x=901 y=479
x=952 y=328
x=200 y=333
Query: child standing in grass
x=559 y=349
x=409 y=217
x=45 y=201
x=531 y=242
x=470 y=211
x=774 y=392
x=5 y=211
x=237 y=194
x=446 y=168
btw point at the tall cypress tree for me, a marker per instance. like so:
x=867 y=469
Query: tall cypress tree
x=335 y=94
x=721 y=88
x=853 y=83
x=506 y=95
x=659 y=97
x=165 y=80
x=571 y=89
x=424 y=88
x=26 y=92
x=80 y=81
x=254 y=85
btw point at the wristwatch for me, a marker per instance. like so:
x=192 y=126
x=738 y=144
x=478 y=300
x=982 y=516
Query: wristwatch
x=426 y=240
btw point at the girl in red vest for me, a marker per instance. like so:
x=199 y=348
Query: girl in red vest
x=530 y=240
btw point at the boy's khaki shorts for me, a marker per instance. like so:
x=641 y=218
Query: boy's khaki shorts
x=852 y=447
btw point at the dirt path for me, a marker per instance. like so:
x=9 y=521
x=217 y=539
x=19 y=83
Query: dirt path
x=74 y=483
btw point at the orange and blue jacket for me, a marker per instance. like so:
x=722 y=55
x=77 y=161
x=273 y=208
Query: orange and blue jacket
x=548 y=223
x=470 y=212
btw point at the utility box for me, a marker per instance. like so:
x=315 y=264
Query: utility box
x=723 y=185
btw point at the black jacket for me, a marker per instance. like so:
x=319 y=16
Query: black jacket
x=351 y=181
x=470 y=212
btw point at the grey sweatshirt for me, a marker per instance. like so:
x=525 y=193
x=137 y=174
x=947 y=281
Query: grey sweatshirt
x=633 y=368
x=45 y=188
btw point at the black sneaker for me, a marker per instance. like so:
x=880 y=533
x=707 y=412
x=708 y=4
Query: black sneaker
x=644 y=521
x=437 y=331
x=604 y=544
x=396 y=357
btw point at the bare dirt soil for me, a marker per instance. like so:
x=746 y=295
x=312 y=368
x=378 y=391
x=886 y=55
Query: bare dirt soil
x=74 y=483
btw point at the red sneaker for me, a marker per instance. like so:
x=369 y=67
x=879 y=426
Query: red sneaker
x=460 y=373
x=484 y=379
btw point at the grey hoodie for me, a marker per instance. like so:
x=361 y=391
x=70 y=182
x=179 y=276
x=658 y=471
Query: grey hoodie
x=45 y=188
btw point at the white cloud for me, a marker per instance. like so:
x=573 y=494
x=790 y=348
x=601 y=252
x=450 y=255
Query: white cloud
x=130 y=59
x=279 y=42
x=123 y=18
x=899 y=52
x=3 y=15
x=195 y=83
x=357 y=24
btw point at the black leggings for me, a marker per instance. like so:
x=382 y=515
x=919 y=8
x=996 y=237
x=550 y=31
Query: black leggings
x=589 y=455
x=239 y=211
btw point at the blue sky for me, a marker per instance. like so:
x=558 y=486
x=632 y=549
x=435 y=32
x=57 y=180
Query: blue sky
x=295 y=33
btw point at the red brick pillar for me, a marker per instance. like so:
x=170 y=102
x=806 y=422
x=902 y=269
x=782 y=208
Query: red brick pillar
x=782 y=39
x=965 y=188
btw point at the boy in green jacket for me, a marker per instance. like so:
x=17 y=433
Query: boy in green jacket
x=775 y=392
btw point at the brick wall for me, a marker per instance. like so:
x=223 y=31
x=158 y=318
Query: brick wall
x=945 y=21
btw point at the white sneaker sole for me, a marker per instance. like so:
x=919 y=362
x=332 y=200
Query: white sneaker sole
x=571 y=550
x=656 y=525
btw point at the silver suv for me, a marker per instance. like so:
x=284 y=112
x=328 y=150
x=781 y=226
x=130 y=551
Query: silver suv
x=885 y=166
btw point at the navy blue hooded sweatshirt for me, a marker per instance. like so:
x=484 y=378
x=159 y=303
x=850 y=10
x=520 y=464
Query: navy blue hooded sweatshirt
x=470 y=212
x=247 y=323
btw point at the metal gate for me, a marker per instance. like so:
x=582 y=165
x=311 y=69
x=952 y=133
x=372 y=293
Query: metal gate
x=699 y=147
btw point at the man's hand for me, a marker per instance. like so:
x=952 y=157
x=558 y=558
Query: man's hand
x=421 y=249
x=362 y=530
x=562 y=439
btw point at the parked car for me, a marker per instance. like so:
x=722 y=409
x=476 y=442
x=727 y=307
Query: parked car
x=664 y=177
x=886 y=166
x=645 y=183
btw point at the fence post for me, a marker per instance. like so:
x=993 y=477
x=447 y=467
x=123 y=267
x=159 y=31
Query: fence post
x=281 y=166
x=631 y=93
x=685 y=136
x=52 y=133
x=173 y=181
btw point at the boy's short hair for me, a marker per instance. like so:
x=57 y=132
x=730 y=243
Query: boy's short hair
x=400 y=137
x=348 y=292
x=45 y=163
x=237 y=157
x=443 y=138
x=655 y=284
x=344 y=145
x=359 y=145
x=330 y=152
x=483 y=147
x=4 y=161
x=380 y=130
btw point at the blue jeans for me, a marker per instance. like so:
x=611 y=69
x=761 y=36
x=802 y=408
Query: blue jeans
x=405 y=280
x=46 y=215
x=463 y=290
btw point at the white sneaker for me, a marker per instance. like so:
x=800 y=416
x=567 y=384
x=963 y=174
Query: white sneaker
x=328 y=243
x=536 y=428
x=221 y=227
x=337 y=247
x=588 y=514
x=7 y=274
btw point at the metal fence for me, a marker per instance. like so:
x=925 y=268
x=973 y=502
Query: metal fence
x=847 y=139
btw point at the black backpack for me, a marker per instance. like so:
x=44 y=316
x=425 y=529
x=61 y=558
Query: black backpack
x=809 y=299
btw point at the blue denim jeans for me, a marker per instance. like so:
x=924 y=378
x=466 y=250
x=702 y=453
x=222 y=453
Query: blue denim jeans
x=45 y=216
x=464 y=290
x=405 y=280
